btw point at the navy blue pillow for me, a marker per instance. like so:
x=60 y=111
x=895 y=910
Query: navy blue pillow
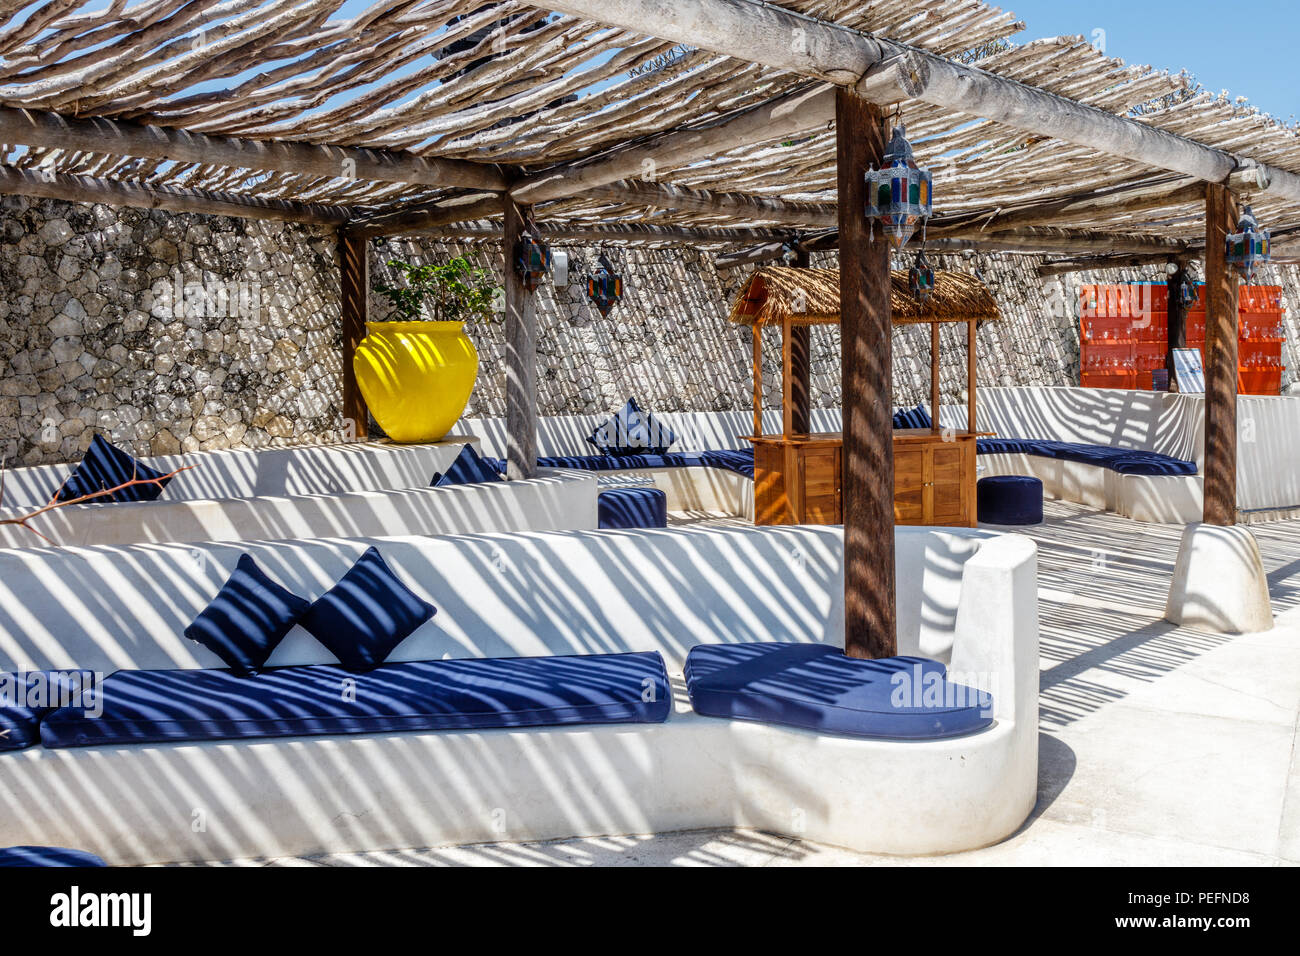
x=467 y=469
x=630 y=431
x=913 y=418
x=250 y=615
x=367 y=614
x=107 y=466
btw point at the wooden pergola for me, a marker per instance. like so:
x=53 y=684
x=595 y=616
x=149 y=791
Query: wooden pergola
x=740 y=126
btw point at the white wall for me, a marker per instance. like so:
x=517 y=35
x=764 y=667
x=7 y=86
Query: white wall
x=554 y=501
x=245 y=473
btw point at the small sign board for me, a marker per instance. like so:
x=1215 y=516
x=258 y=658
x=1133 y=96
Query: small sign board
x=1189 y=375
x=1160 y=379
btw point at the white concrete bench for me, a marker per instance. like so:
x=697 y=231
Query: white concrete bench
x=966 y=597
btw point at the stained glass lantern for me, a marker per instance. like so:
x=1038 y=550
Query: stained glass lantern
x=1248 y=247
x=532 y=259
x=920 y=278
x=605 y=287
x=900 y=194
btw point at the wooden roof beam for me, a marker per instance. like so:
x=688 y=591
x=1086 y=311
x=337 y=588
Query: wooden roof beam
x=609 y=232
x=48 y=130
x=47 y=185
x=774 y=37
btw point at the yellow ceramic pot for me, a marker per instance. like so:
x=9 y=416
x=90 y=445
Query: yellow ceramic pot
x=416 y=376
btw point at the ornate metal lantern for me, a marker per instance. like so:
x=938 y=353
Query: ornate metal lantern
x=899 y=195
x=532 y=258
x=605 y=287
x=1187 y=292
x=1248 y=247
x=920 y=278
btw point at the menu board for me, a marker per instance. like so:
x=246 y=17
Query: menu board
x=1189 y=375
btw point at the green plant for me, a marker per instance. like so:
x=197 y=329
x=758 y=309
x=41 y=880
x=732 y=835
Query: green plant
x=453 y=291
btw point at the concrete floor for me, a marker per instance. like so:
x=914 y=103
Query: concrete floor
x=1159 y=745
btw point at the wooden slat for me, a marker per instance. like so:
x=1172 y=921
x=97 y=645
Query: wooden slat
x=866 y=344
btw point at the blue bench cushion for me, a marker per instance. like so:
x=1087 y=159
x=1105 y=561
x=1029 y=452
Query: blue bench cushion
x=1009 y=499
x=27 y=696
x=740 y=460
x=632 y=508
x=168 y=705
x=13 y=856
x=106 y=466
x=816 y=687
x=1127 y=461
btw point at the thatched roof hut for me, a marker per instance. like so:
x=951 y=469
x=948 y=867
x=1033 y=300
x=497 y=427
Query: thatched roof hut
x=812 y=297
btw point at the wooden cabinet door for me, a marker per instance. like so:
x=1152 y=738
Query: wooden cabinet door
x=771 y=501
x=947 y=483
x=910 y=467
x=819 y=473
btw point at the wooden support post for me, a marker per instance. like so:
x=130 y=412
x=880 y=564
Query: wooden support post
x=1177 y=316
x=521 y=354
x=758 y=380
x=934 y=376
x=787 y=378
x=971 y=329
x=354 y=297
x=867 y=489
x=1220 y=360
x=801 y=365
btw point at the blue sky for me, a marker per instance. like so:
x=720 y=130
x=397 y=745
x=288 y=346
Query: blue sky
x=1247 y=48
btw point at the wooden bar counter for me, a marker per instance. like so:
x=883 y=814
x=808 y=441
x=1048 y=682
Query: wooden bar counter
x=797 y=478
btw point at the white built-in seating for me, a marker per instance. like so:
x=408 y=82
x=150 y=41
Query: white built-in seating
x=967 y=598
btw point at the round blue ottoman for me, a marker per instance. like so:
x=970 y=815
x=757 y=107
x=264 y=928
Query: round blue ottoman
x=632 y=508
x=1009 y=499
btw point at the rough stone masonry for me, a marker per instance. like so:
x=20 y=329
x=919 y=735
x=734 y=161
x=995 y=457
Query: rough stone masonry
x=182 y=332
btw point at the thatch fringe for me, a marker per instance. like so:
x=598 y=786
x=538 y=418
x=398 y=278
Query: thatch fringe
x=812 y=297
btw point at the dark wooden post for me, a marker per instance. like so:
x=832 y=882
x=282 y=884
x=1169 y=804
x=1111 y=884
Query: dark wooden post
x=935 y=398
x=1177 y=313
x=971 y=329
x=801 y=364
x=354 y=298
x=521 y=354
x=867 y=491
x=1220 y=360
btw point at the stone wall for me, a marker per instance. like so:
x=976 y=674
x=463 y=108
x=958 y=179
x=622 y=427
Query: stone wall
x=178 y=332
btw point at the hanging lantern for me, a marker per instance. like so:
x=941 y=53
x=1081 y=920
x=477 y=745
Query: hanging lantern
x=920 y=278
x=605 y=287
x=900 y=194
x=532 y=258
x=1187 y=292
x=1248 y=247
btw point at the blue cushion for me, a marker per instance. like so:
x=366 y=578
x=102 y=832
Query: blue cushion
x=630 y=431
x=367 y=614
x=162 y=705
x=107 y=466
x=916 y=417
x=632 y=508
x=1009 y=499
x=14 y=856
x=1127 y=461
x=467 y=469
x=816 y=687
x=250 y=615
x=28 y=696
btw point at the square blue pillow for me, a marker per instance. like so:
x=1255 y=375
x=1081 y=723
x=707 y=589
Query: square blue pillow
x=107 y=466
x=250 y=615
x=916 y=417
x=467 y=469
x=630 y=431
x=367 y=614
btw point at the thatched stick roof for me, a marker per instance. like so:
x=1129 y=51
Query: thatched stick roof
x=812 y=297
